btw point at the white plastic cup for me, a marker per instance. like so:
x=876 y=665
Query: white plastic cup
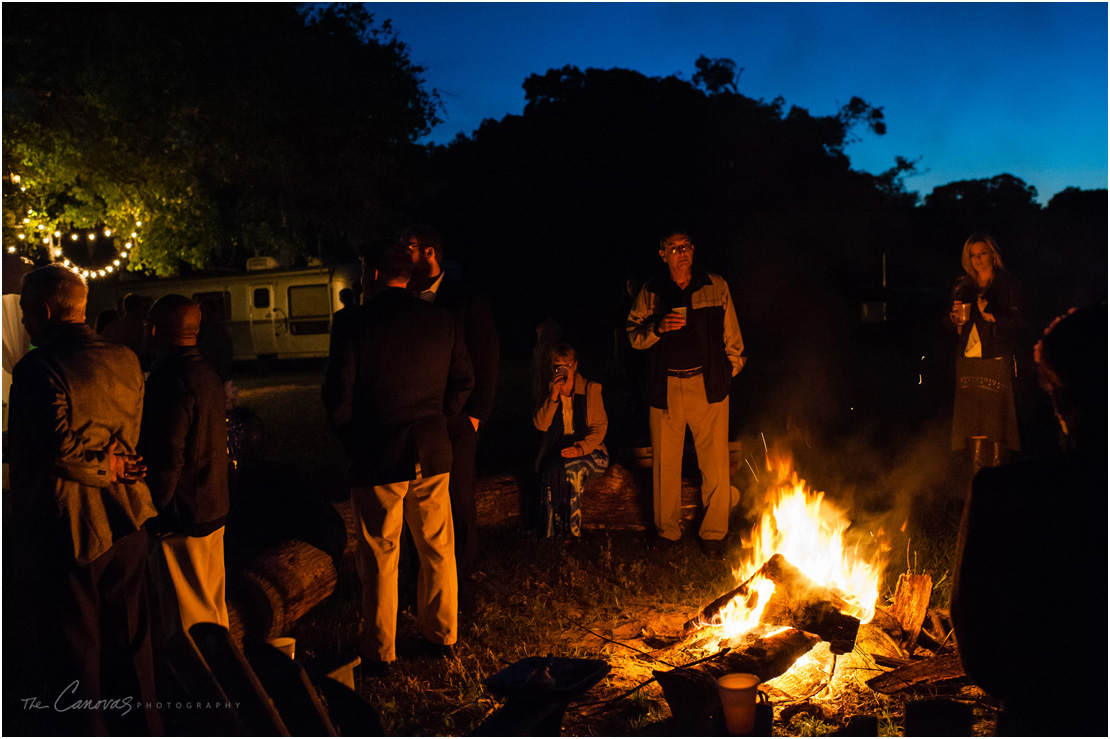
x=738 y=697
x=286 y=644
x=681 y=310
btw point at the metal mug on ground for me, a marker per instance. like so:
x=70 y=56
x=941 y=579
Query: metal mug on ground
x=961 y=313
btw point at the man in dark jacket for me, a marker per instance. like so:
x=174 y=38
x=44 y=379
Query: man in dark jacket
x=472 y=310
x=687 y=322
x=78 y=519
x=184 y=445
x=392 y=381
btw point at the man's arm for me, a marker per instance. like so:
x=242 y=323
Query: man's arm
x=484 y=351
x=338 y=390
x=169 y=415
x=460 y=375
x=642 y=325
x=734 y=342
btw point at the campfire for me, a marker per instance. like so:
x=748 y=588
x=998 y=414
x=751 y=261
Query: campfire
x=807 y=584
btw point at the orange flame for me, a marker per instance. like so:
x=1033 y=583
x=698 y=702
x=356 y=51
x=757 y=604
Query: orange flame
x=809 y=531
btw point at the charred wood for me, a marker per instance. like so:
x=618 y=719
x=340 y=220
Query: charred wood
x=803 y=604
x=942 y=667
x=691 y=692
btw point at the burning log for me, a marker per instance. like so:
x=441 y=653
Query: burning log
x=803 y=604
x=797 y=601
x=691 y=692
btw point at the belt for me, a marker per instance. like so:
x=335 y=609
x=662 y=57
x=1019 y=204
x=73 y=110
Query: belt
x=683 y=374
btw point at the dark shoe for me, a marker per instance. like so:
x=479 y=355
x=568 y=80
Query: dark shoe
x=663 y=544
x=712 y=548
x=374 y=668
x=437 y=651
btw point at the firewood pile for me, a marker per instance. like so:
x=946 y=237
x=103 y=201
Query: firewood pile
x=811 y=657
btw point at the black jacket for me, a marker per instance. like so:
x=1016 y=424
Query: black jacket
x=999 y=338
x=473 y=312
x=394 y=377
x=184 y=443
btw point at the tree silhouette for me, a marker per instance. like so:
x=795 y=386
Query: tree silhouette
x=229 y=131
x=717 y=75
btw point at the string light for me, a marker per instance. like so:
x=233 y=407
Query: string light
x=55 y=251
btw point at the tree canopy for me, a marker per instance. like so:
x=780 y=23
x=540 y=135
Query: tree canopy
x=228 y=131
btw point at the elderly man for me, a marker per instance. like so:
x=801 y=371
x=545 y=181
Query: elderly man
x=79 y=511
x=184 y=445
x=472 y=310
x=687 y=323
x=392 y=381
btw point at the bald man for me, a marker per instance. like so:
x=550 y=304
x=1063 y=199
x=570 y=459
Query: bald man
x=184 y=445
x=77 y=522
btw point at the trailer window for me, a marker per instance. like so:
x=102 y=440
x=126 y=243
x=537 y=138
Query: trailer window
x=217 y=304
x=262 y=297
x=309 y=309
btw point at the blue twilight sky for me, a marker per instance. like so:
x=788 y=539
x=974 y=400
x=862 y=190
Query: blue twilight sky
x=975 y=90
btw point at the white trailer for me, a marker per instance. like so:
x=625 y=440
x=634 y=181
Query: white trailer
x=268 y=312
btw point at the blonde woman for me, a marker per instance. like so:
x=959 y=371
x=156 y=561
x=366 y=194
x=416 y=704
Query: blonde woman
x=986 y=319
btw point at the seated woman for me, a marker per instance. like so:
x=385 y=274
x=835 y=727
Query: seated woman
x=572 y=415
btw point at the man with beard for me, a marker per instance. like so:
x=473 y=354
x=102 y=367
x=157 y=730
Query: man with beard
x=472 y=311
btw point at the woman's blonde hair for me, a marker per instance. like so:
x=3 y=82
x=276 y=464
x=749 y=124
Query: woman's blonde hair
x=980 y=237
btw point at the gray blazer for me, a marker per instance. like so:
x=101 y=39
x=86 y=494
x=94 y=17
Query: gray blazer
x=70 y=398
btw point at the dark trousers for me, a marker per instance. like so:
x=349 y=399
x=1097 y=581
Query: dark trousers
x=464 y=508
x=94 y=623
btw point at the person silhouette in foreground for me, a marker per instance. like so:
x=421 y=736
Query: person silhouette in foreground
x=392 y=382
x=79 y=509
x=1031 y=556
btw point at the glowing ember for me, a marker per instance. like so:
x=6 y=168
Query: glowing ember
x=809 y=532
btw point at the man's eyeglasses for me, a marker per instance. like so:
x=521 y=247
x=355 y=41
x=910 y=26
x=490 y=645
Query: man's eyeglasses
x=680 y=248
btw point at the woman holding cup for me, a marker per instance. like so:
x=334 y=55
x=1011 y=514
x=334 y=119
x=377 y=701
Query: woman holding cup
x=986 y=321
x=572 y=417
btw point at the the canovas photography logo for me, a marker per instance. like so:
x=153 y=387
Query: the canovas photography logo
x=67 y=701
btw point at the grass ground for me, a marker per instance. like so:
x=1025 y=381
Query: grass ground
x=534 y=597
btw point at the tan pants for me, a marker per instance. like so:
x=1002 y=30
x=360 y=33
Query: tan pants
x=425 y=505
x=686 y=406
x=196 y=568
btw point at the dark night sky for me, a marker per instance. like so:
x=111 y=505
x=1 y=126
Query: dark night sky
x=975 y=90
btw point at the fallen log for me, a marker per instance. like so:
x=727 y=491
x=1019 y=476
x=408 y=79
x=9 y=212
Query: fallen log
x=935 y=669
x=691 y=692
x=618 y=500
x=268 y=593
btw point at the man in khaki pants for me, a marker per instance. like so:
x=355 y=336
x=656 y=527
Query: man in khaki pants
x=184 y=444
x=394 y=375
x=687 y=322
